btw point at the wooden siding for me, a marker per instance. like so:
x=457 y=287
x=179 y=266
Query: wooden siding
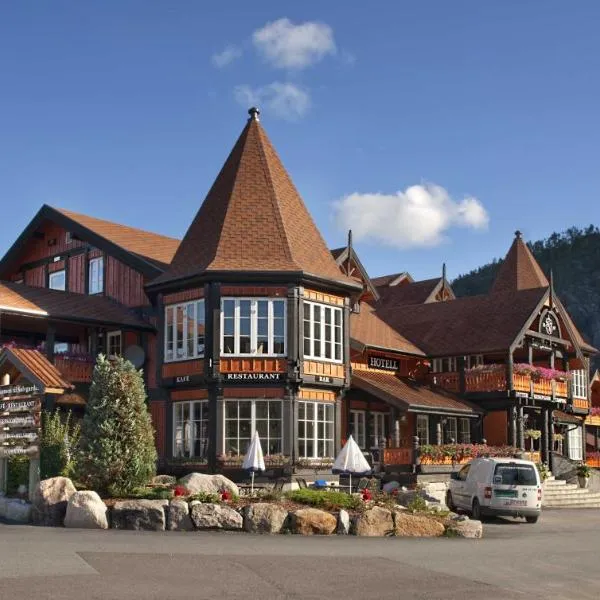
x=36 y=277
x=77 y=273
x=158 y=412
x=253 y=365
x=244 y=290
x=316 y=394
x=315 y=296
x=53 y=243
x=185 y=296
x=150 y=367
x=253 y=392
x=495 y=428
x=187 y=367
x=124 y=284
x=313 y=367
x=178 y=395
x=59 y=265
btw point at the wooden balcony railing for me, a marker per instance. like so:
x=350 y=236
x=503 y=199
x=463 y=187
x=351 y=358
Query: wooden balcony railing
x=397 y=456
x=75 y=369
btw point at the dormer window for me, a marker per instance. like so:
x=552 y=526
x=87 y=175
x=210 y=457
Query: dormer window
x=57 y=280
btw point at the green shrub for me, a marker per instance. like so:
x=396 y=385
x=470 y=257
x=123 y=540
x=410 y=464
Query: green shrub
x=18 y=474
x=117 y=452
x=326 y=499
x=151 y=493
x=417 y=504
x=206 y=498
x=58 y=444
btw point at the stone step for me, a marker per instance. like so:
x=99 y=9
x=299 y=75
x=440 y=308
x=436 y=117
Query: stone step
x=574 y=496
x=555 y=483
x=565 y=490
x=572 y=504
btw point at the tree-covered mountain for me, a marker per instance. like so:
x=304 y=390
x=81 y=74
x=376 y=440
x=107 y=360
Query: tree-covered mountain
x=574 y=258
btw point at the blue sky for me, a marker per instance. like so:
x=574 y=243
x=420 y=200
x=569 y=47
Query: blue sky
x=435 y=128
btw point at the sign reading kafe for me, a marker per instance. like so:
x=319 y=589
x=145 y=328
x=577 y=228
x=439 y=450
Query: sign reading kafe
x=20 y=407
x=253 y=376
x=385 y=364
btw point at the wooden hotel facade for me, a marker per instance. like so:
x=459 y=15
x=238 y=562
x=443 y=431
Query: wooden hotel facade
x=251 y=323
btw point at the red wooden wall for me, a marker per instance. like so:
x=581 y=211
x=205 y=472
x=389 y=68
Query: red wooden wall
x=124 y=284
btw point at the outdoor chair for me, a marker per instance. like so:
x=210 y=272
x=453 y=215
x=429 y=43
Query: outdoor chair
x=362 y=484
x=278 y=487
x=301 y=483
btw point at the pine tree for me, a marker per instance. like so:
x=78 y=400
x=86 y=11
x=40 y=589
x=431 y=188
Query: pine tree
x=117 y=452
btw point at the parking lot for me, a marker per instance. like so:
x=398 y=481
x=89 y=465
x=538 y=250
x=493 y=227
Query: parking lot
x=556 y=558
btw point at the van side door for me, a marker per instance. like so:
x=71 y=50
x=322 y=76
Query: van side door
x=460 y=493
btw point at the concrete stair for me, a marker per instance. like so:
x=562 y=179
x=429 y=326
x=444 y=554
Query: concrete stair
x=560 y=494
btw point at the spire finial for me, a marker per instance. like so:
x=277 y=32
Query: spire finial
x=551 y=287
x=518 y=234
x=444 y=271
x=254 y=113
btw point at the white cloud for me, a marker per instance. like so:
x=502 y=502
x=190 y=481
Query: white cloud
x=418 y=216
x=283 y=100
x=227 y=56
x=290 y=46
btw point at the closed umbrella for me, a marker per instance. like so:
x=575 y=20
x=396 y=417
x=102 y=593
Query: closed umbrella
x=351 y=461
x=254 y=460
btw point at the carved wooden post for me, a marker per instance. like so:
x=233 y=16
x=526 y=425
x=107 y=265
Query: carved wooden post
x=438 y=433
x=513 y=426
x=521 y=428
x=416 y=455
x=545 y=431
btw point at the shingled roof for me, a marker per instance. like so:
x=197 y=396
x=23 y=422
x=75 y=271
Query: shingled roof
x=520 y=270
x=35 y=366
x=253 y=220
x=19 y=298
x=416 y=292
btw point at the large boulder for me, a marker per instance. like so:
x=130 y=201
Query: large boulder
x=312 y=521
x=209 y=484
x=145 y=515
x=466 y=528
x=263 y=517
x=50 y=498
x=215 y=516
x=374 y=522
x=343 y=525
x=410 y=525
x=85 y=510
x=178 y=516
x=17 y=511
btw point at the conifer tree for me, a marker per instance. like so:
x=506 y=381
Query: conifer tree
x=117 y=452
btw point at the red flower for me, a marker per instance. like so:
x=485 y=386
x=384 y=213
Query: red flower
x=225 y=495
x=180 y=491
x=366 y=495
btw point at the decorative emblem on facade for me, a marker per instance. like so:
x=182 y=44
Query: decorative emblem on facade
x=549 y=324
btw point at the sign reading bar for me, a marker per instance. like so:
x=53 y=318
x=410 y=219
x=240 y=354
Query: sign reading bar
x=386 y=364
x=6 y=391
x=324 y=379
x=252 y=376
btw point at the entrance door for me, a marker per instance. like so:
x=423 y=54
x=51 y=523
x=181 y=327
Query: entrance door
x=576 y=443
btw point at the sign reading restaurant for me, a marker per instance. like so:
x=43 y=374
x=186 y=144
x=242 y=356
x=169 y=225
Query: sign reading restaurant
x=380 y=362
x=253 y=376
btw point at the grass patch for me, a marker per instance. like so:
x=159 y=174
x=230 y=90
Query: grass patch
x=150 y=493
x=326 y=499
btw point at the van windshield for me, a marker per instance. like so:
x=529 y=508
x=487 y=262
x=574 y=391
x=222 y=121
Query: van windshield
x=513 y=474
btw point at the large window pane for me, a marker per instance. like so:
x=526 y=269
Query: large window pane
x=184 y=330
x=322 y=332
x=315 y=430
x=190 y=429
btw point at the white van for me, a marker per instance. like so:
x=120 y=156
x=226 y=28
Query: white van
x=497 y=486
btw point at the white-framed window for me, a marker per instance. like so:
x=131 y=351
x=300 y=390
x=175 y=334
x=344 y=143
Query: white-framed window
x=451 y=430
x=474 y=360
x=377 y=428
x=184 y=330
x=61 y=347
x=244 y=417
x=114 y=344
x=357 y=419
x=579 y=383
x=253 y=326
x=575 y=441
x=436 y=365
x=96 y=275
x=423 y=429
x=58 y=280
x=190 y=429
x=316 y=429
x=465 y=431
x=449 y=364
x=323 y=332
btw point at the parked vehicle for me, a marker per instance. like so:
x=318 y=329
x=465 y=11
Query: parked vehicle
x=497 y=486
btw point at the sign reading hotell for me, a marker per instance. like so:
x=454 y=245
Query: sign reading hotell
x=20 y=407
x=386 y=364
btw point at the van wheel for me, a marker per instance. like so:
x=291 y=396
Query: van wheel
x=532 y=519
x=476 y=511
x=449 y=502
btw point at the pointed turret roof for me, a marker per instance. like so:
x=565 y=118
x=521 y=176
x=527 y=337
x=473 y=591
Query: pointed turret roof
x=520 y=270
x=253 y=220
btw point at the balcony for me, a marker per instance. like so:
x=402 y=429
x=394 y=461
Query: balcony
x=77 y=368
x=492 y=378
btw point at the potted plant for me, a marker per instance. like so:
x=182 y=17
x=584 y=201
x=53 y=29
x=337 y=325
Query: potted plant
x=531 y=435
x=583 y=475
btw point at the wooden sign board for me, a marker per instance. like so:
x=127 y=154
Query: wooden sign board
x=20 y=411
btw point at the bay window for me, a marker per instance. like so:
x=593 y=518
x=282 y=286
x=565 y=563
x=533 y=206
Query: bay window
x=190 y=429
x=315 y=429
x=357 y=420
x=253 y=326
x=184 y=331
x=377 y=433
x=322 y=332
x=579 y=383
x=423 y=429
x=96 y=275
x=244 y=417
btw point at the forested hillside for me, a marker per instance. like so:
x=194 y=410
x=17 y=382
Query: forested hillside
x=574 y=257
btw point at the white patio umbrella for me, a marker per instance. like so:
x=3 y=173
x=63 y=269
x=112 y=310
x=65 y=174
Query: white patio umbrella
x=254 y=460
x=351 y=461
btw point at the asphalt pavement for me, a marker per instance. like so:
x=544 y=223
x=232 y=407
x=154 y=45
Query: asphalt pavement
x=556 y=558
